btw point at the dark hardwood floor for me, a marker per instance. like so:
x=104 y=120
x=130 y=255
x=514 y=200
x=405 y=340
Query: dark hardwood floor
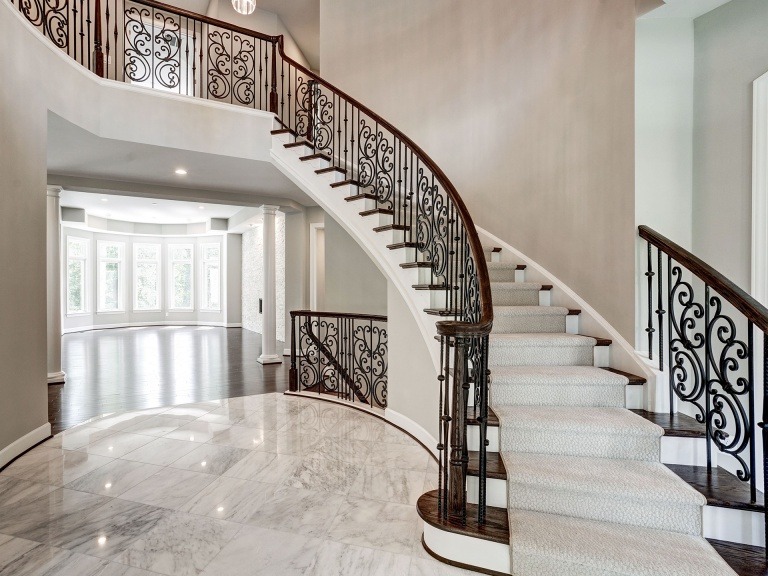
x=135 y=368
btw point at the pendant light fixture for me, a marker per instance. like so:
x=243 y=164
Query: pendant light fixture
x=244 y=7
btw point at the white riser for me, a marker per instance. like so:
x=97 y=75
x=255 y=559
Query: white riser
x=731 y=525
x=495 y=491
x=545 y=296
x=689 y=451
x=572 y=324
x=635 y=397
x=519 y=275
x=467 y=550
x=473 y=438
x=602 y=356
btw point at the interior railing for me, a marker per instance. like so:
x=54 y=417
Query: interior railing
x=709 y=340
x=340 y=355
x=151 y=44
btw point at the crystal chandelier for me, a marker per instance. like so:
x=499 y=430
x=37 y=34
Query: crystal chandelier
x=244 y=6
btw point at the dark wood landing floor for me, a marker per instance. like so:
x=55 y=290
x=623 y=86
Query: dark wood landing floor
x=745 y=560
x=720 y=487
x=137 y=368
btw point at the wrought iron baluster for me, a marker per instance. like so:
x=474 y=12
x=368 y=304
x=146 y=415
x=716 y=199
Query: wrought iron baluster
x=660 y=308
x=650 y=330
x=707 y=363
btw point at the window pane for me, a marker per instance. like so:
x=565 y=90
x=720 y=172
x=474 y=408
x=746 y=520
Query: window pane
x=212 y=275
x=75 y=248
x=211 y=251
x=110 y=286
x=182 y=285
x=181 y=253
x=75 y=283
x=147 y=282
x=112 y=251
x=147 y=251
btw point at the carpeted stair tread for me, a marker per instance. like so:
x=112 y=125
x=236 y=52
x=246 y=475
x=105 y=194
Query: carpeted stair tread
x=549 y=544
x=499 y=311
x=515 y=286
x=551 y=340
x=500 y=265
x=630 y=479
x=576 y=419
x=557 y=376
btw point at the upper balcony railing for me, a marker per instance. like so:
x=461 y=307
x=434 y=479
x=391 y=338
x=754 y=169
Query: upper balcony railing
x=151 y=44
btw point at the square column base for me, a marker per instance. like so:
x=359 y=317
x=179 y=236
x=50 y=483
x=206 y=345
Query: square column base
x=270 y=359
x=56 y=377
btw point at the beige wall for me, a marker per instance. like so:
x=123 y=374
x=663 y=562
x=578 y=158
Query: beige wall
x=731 y=51
x=353 y=283
x=528 y=107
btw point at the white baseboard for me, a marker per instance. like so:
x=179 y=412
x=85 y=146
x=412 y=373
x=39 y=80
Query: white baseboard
x=414 y=429
x=233 y=325
x=24 y=443
x=142 y=324
x=287 y=352
x=269 y=359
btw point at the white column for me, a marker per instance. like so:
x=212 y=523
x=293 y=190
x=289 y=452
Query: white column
x=269 y=305
x=53 y=275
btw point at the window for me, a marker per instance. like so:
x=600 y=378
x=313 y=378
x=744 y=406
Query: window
x=110 y=276
x=146 y=290
x=77 y=258
x=180 y=256
x=211 y=276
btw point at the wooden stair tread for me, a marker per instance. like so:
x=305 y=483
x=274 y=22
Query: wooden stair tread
x=493 y=420
x=678 y=425
x=297 y=144
x=430 y=287
x=282 y=131
x=634 y=380
x=400 y=245
x=745 y=560
x=388 y=227
x=315 y=156
x=384 y=211
x=719 y=487
x=494 y=465
x=416 y=265
x=330 y=169
x=495 y=529
x=441 y=312
x=574 y=312
x=363 y=196
x=345 y=183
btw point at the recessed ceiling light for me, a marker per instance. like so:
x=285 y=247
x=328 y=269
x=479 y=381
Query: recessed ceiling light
x=154 y=203
x=105 y=199
x=181 y=172
x=201 y=207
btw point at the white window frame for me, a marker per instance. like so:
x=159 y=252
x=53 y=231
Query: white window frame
x=135 y=279
x=84 y=259
x=170 y=287
x=120 y=276
x=204 y=297
x=760 y=189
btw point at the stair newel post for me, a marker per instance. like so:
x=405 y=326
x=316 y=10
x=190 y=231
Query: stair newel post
x=98 y=53
x=293 y=383
x=457 y=481
x=273 y=89
x=482 y=420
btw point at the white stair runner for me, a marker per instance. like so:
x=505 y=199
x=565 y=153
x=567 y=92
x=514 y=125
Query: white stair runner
x=587 y=494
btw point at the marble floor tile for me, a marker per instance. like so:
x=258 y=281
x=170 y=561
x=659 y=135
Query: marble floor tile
x=241 y=437
x=211 y=459
x=229 y=499
x=335 y=559
x=169 y=488
x=192 y=411
x=114 y=478
x=262 y=552
x=399 y=456
x=39 y=455
x=296 y=510
x=360 y=427
x=394 y=436
x=289 y=441
x=264 y=467
x=346 y=450
x=226 y=415
x=117 y=445
x=431 y=567
x=266 y=419
x=14 y=491
x=324 y=475
x=161 y=451
x=77 y=437
x=430 y=482
x=197 y=431
x=159 y=425
x=19 y=557
x=65 y=468
x=119 y=422
x=389 y=485
x=374 y=524
x=115 y=569
x=180 y=545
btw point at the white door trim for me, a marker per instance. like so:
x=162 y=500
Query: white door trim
x=314 y=227
x=760 y=189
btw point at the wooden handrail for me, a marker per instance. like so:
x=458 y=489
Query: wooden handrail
x=374 y=317
x=449 y=327
x=738 y=298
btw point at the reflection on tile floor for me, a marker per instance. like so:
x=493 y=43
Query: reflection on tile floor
x=268 y=484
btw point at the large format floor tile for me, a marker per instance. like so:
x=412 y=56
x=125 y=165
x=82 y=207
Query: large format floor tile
x=268 y=484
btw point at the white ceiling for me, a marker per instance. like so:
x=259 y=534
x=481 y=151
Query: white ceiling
x=685 y=8
x=145 y=210
x=140 y=169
